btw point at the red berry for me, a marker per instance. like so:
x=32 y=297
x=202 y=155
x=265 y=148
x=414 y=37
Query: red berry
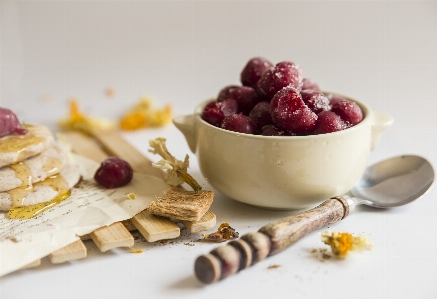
x=224 y=92
x=272 y=130
x=315 y=100
x=290 y=112
x=246 y=98
x=113 y=173
x=239 y=123
x=334 y=99
x=215 y=112
x=328 y=122
x=349 y=111
x=253 y=71
x=9 y=123
x=309 y=84
x=284 y=74
x=261 y=114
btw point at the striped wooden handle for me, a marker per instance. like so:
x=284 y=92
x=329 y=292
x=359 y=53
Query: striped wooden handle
x=269 y=240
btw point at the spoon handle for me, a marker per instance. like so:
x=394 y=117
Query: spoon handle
x=269 y=240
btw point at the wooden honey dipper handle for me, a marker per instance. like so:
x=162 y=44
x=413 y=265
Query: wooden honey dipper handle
x=269 y=240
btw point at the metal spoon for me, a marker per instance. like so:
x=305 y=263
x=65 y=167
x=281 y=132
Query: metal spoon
x=390 y=183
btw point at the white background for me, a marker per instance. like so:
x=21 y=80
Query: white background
x=383 y=53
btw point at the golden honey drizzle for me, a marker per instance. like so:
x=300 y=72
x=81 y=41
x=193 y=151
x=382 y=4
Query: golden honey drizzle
x=18 y=143
x=22 y=172
x=52 y=167
x=18 y=211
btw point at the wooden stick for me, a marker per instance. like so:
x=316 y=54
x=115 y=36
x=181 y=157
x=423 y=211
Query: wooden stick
x=126 y=223
x=115 y=145
x=207 y=222
x=85 y=145
x=74 y=251
x=112 y=236
x=155 y=228
x=269 y=240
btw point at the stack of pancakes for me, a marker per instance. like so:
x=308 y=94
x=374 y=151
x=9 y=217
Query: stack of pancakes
x=33 y=169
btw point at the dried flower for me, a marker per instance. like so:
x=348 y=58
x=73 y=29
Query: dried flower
x=175 y=170
x=342 y=243
x=77 y=120
x=224 y=232
x=143 y=115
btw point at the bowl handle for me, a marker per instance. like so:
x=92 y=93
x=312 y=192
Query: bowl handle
x=185 y=124
x=381 y=121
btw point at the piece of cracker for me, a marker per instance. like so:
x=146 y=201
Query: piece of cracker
x=181 y=204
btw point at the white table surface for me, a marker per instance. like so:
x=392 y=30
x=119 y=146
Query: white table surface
x=382 y=53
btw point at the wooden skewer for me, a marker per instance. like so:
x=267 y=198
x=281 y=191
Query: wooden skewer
x=112 y=236
x=74 y=251
x=269 y=240
x=85 y=145
x=155 y=228
x=115 y=145
x=207 y=221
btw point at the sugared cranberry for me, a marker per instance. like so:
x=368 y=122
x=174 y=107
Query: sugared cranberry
x=224 y=92
x=334 y=99
x=290 y=112
x=239 y=123
x=9 y=123
x=246 y=98
x=253 y=71
x=113 y=173
x=272 y=130
x=349 y=111
x=284 y=74
x=328 y=122
x=309 y=84
x=215 y=112
x=261 y=114
x=315 y=100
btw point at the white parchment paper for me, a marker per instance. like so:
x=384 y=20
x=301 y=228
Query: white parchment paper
x=88 y=208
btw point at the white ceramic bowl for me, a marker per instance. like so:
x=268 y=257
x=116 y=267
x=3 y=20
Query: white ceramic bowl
x=273 y=172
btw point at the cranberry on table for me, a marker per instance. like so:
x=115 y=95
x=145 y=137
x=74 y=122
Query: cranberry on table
x=309 y=84
x=9 y=123
x=283 y=74
x=315 y=100
x=349 y=111
x=290 y=112
x=253 y=71
x=113 y=173
x=239 y=123
x=215 y=112
x=261 y=114
x=328 y=122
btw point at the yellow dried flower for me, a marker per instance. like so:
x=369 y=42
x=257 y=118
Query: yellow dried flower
x=143 y=115
x=342 y=242
x=77 y=120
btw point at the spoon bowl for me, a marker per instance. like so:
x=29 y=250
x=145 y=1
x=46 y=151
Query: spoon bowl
x=394 y=182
